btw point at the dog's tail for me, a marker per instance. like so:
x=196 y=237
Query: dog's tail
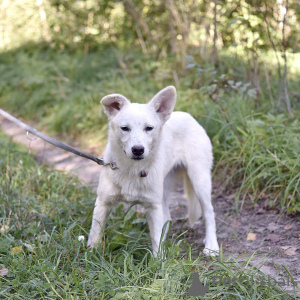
x=194 y=209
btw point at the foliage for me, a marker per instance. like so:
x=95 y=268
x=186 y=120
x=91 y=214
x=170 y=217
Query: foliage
x=257 y=148
x=51 y=86
x=155 y=26
x=249 y=145
x=58 y=58
x=45 y=258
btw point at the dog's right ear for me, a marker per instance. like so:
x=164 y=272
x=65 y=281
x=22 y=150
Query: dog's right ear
x=113 y=104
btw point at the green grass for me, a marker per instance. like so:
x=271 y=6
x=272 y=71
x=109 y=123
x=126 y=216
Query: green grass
x=63 y=90
x=43 y=212
x=256 y=149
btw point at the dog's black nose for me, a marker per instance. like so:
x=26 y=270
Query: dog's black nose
x=137 y=150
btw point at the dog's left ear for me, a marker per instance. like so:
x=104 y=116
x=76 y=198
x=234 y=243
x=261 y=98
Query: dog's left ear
x=113 y=103
x=164 y=102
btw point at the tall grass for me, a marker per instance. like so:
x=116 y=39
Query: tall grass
x=43 y=214
x=256 y=149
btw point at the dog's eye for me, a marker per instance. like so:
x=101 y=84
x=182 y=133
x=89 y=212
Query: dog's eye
x=125 y=128
x=149 y=128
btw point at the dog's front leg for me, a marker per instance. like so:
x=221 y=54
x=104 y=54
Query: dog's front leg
x=155 y=218
x=101 y=211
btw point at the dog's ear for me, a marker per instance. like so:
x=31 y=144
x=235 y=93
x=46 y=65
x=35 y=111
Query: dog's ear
x=164 y=102
x=113 y=104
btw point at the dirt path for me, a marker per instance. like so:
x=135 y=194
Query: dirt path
x=274 y=237
x=250 y=230
x=87 y=170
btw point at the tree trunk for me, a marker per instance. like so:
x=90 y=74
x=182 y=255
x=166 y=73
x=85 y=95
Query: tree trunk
x=183 y=28
x=214 y=53
x=173 y=46
x=43 y=16
x=136 y=16
x=286 y=94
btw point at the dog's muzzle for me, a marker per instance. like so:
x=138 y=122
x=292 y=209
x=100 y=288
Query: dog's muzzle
x=137 y=152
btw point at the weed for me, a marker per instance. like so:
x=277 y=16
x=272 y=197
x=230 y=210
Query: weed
x=258 y=147
x=44 y=218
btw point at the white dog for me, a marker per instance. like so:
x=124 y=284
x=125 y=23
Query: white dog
x=150 y=146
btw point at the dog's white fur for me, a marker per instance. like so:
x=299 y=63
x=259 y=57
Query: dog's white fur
x=173 y=143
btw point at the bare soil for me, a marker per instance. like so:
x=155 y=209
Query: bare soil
x=275 y=237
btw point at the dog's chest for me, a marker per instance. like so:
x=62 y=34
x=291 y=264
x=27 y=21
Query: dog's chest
x=134 y=188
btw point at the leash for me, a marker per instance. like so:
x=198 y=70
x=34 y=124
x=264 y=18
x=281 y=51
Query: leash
x=99 y=161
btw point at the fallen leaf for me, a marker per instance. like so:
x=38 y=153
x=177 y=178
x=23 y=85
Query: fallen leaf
x=290 y=250
x=274 y=238
x=4 y=228
x=251 y=236
x=3 y=271
x=230 y=197
x=29 y=247
x=261 y=211
x=273 y=227
x=288 y=226
x=260 y=229
x=235 y=224
x=44 y=238
x=16 y=250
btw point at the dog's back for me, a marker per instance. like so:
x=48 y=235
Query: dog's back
x=186 y=142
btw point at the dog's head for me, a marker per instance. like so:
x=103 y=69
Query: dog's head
x=136 y=127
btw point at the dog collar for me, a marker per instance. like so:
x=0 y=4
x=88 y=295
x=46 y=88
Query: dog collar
x=113 y=166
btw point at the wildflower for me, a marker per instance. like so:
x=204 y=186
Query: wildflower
x=81 y=238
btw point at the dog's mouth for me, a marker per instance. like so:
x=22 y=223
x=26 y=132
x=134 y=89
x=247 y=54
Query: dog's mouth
x=137 y=158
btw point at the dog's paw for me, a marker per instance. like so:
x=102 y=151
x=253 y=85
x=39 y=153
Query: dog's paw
x=211 y=249
x=210 y=252
x=91 y=243
x=89 y=248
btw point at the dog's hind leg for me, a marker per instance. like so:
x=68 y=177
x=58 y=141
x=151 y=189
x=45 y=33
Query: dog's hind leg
x=201 y=182
x=169 y=183
x=171 y=180
x=194 y=207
